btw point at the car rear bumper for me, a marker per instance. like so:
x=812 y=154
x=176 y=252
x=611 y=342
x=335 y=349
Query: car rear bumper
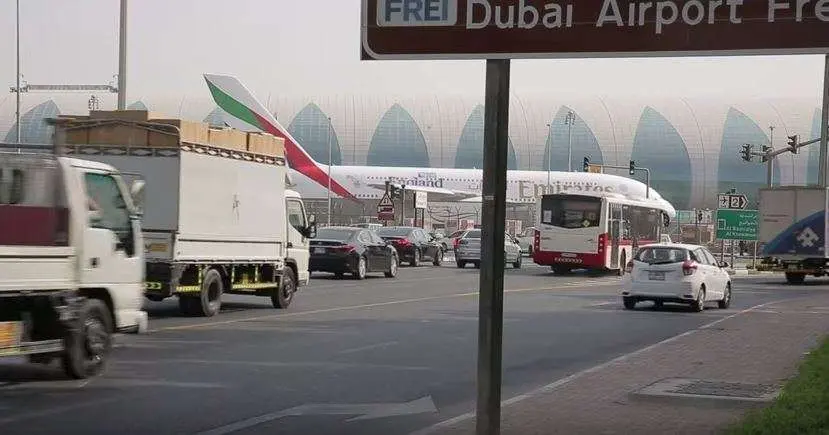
x=467 y=255
x=682 y=291
x=332 y=265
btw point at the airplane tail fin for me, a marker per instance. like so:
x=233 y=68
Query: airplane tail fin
x=246 y=112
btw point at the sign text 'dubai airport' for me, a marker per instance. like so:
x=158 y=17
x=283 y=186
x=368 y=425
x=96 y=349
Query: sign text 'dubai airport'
x=434 y=29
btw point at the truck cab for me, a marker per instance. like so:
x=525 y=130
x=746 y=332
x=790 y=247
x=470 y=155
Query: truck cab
x=71 y=260
x=301 y=228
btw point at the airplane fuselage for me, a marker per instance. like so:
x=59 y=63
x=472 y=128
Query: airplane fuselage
x=365 y=182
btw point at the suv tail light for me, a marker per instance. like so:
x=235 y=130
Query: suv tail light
x=689 y=268
x=402 y=242
x=456 y=242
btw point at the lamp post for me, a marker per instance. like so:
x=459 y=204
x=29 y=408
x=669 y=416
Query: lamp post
x=17 y=89
x=770 y=167
x=329 y=171
x=569 y=120
x=549 y=152
x=122 y=58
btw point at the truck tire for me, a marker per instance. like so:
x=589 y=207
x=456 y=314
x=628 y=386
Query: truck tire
x=284 y=294
x=795 y=278
x=87 y=347
x=210 y=300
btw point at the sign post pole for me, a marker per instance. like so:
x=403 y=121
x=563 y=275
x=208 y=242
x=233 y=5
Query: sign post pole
x=824 y=127
x=491 y=284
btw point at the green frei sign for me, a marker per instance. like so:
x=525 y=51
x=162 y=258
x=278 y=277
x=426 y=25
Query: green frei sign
x=737 y=225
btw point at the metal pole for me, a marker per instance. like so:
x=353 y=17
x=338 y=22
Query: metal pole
x=122 y=58
x=824 y=127
x=491 y=282
x=570 y=117
x=329 y=171
x=17 y=110
x=770 y=163
x=549 y=157
x=647 y=183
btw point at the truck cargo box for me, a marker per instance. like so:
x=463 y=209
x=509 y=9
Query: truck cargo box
x=205 y=202
x=793 y=221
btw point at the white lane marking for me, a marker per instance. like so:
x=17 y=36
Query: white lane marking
x=369 y=347
x=566 y=380
x=349 y=308
x=300 y=364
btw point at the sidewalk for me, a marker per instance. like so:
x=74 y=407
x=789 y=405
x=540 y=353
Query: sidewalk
x=762 y=345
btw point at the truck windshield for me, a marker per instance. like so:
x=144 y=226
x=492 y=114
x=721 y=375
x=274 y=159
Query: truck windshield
x=572 y=212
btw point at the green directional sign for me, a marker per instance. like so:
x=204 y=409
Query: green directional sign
x=737 y=225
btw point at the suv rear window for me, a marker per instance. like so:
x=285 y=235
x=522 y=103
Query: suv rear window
x=661 y=255
x=474 y=234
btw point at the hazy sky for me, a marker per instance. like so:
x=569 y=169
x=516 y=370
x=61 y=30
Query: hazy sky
x=311 y=47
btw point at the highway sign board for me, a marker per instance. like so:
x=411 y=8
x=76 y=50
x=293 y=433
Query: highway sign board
x=385 y=209
x=737 y=225
x=499 y=29
x=732 y=201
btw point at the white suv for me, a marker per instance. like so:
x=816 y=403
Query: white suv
x=685 y=274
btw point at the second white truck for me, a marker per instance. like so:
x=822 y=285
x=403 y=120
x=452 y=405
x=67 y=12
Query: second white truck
x=218 y=216
x=793 y=231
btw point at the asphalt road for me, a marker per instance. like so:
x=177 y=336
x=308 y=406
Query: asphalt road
x=382 y=356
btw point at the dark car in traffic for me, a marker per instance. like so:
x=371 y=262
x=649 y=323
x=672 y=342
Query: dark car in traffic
x=356 y=251
x=413 y=245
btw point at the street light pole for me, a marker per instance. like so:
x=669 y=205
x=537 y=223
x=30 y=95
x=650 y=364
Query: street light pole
x=329 y=171
x=770 y=163
x=571 y=117
x=17 y=90
x=122 y=58
x=549 y=155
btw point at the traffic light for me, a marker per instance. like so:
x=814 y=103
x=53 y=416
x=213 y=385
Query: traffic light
x=394 y=192
x=746 y=152
x=793 y=144
x=699 y=217
x=587 y=164
x=632 y=170
x=766 y=150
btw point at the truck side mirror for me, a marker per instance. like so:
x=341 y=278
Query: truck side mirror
x=137 y=193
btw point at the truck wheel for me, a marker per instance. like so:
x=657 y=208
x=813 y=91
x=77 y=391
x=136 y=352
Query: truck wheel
x=210 y=300
x=284 y=294
x=87 y=347
x=795 y=278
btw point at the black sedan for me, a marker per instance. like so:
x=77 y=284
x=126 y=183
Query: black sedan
x=358 y=251
x=413 y=244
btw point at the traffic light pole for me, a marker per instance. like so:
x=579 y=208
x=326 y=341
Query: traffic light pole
x=645 y=170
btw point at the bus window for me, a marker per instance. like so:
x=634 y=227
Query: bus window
x=580 y=212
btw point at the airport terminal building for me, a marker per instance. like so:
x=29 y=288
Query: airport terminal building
x=692 y=148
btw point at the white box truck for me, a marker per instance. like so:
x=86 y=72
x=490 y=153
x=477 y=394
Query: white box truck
x=216 y=220
x=793 y=231
x=71 y=263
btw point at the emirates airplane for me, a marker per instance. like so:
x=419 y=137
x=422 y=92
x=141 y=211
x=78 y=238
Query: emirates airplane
x=357 y=183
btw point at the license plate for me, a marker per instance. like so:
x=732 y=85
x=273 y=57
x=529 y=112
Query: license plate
x=656 y=276
x=10 y=334
x=319 y=250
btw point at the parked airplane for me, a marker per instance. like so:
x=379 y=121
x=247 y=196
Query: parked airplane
x=442 y=184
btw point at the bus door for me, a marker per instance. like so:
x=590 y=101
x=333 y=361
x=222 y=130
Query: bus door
x=615 y=234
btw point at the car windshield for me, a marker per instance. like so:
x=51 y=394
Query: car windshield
x=661 y=255
x=334 y=234
x=393 y=232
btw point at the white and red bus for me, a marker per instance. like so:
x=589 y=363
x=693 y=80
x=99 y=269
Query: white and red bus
x=597 y=233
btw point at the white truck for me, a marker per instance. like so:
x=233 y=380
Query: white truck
x=218 y=216
x=71 y=263
x=792 y=230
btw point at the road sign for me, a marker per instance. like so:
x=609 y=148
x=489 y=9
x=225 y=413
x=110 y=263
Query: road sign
x=421 y=200
x=385 y=209
x=737 y=225
x=732 y=201
x=498 y=29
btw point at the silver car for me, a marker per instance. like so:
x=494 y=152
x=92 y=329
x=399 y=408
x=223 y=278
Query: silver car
x=468 y=250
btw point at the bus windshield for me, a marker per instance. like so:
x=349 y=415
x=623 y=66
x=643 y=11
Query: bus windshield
x=571 y=212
